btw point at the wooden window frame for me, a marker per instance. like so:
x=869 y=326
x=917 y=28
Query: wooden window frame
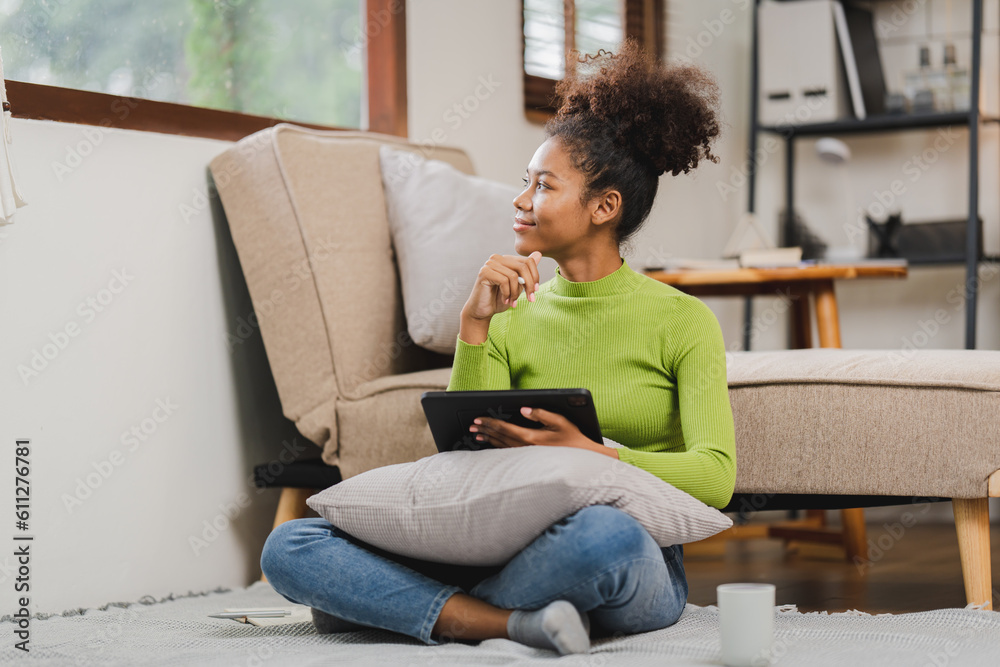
x=384 y=49
x=643 y=19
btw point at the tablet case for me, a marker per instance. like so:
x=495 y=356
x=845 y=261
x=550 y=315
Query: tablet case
x=450 y=413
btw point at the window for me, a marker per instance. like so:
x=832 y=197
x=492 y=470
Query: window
x=303 y=62
x=298 y=61
x=552 y=27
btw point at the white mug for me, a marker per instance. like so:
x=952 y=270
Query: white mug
x=746 y=623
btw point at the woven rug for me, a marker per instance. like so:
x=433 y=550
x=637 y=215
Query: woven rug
x=176 y=630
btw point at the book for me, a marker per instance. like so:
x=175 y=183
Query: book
x=847 y=53
x=791 y=256
x=695 y=263
x=868 y=261
x=300 y=614
x=861 y=27
x=297 y=613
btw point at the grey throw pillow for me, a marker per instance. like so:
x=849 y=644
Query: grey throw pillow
x=444 y=225
x=483 y=507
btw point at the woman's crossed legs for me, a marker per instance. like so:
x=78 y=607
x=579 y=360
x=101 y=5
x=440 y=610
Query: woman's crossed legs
x=600 y=559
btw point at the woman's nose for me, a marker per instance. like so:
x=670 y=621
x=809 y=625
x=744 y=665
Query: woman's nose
x=521 y=198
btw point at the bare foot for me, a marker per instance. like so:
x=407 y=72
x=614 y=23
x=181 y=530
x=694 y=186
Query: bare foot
x=466 y=617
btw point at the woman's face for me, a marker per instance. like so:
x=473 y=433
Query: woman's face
x=550 y=202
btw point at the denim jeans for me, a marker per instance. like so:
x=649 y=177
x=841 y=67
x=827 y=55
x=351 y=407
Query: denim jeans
x=599 y=558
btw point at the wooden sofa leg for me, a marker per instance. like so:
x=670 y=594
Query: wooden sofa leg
x=855 y=534
x=972 y=523
x=291 y=505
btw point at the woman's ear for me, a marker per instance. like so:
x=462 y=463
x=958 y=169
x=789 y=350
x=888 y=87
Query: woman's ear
x=607 y=207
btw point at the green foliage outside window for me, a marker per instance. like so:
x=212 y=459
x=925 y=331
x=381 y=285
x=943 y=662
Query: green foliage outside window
x=298 y=61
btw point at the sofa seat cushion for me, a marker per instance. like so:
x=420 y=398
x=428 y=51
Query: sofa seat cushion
x=813 y=421
x=960 y=369
x=386 y=425
x=880 y=422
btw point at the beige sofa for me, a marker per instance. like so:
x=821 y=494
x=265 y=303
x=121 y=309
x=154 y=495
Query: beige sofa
x=855 y=428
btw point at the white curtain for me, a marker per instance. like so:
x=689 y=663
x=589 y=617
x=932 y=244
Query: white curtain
x=11 y=198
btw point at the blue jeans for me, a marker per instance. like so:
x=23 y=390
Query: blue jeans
x=600 y=559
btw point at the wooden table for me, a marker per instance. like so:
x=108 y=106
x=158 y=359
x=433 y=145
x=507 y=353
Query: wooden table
x=798 y=283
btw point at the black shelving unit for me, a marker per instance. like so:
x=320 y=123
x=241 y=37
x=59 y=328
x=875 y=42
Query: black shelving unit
x=884 y=123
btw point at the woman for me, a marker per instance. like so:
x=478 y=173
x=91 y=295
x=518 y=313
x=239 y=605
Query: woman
x=650 y=355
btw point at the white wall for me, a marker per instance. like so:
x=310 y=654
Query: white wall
x=107 y=526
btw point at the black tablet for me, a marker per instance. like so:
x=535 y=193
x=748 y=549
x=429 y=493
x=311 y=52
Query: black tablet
x=450 y=413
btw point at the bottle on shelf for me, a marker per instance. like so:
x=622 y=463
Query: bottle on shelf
x=958 y=81
x=927 y=88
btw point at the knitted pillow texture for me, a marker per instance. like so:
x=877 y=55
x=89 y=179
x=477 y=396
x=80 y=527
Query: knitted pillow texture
x=483 y=507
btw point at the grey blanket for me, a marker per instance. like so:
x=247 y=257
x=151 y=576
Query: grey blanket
x=177 y=631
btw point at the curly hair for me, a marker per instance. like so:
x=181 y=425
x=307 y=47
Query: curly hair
x=634 y=120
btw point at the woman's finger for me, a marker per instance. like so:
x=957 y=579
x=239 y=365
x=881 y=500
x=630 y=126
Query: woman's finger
x=551 y=420
x=533 y=266
x=496 y=262
x=527 y=268
x=501 y=439
x=527 y=280
x=499 y=279
x=497 y=436
x=520 y=274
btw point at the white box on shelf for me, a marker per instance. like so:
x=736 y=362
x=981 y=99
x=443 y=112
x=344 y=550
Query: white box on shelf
x=801 y=76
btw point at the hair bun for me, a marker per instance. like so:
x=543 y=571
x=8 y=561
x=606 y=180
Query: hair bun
x=664 y=115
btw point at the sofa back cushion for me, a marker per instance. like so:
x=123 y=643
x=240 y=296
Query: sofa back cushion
x=308 y=218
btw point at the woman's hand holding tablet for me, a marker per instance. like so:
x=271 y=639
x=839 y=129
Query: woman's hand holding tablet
x=510 y=418
x=556 y=431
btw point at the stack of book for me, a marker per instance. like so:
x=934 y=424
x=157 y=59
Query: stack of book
x=695 y=263
x=761 y=257
x=756 y=257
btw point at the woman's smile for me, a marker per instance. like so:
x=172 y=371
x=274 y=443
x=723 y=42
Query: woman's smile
x=520 y=224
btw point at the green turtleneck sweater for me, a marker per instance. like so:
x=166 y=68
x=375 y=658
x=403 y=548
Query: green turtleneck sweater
x=652 y=357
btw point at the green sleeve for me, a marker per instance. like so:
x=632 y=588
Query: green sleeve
x=484 y=366
x=707 y=469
